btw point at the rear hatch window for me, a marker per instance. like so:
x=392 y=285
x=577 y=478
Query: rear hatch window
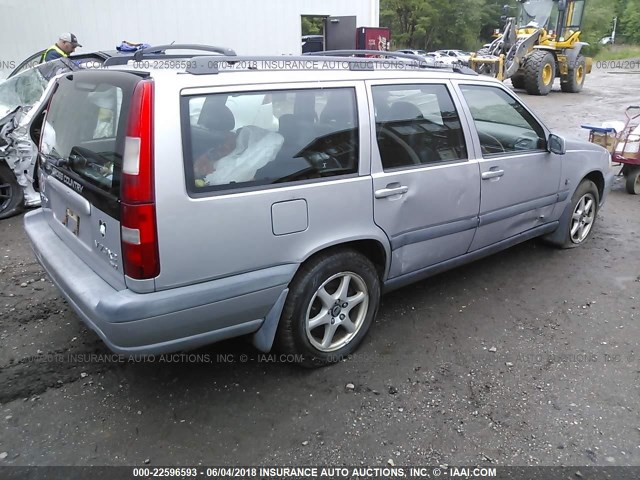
x=84 y=134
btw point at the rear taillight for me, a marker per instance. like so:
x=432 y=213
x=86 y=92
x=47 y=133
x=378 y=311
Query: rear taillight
x=138 y=213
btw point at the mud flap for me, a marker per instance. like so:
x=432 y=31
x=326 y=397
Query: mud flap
x=557 y=237
x=263 y=338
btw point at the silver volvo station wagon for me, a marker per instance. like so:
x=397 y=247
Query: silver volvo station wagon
x=257 y=197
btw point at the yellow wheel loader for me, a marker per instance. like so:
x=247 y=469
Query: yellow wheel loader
x=539 y=45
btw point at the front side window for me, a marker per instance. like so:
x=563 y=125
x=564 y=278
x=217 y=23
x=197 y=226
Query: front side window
x=504 y=126
x=417 y=125
x=269 y=137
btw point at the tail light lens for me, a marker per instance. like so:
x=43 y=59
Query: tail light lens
x=138 y=212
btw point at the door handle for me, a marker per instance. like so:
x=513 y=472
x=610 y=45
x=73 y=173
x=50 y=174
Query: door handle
x=391 y=191
x=492 y=174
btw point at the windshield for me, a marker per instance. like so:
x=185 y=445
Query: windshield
x=535 y=13
x=26 y=88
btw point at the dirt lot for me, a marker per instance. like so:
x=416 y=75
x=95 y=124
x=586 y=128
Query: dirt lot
x=529 y=357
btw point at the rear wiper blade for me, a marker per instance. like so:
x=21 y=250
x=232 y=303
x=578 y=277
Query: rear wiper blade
x=55 y=160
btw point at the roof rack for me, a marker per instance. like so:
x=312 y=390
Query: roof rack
x=376 y=53
x=407 y=56
x=159 y=50
x=214 y=64
x=358 y=60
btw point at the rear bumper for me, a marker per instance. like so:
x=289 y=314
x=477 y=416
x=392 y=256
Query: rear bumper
x=165 y=321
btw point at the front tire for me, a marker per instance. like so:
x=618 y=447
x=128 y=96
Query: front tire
x=584 y=209
x=518 y=81
x=11 y=194
x=539 y=72
x=331 y=305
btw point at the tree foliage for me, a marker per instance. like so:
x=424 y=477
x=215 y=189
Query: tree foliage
x=312 y=25
x=631 y=21
x=468 y=24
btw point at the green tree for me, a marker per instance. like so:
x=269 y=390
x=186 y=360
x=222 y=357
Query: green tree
x=468 y=24
x=432 y=24
x=631 y=21
x=312 y=25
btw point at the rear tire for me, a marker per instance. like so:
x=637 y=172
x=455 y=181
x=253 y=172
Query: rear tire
x=539 y=72
x=332 y=302
x=584 y=210
x=632 y=182
x=518 y=81
x=574 y=80
x=11 y=194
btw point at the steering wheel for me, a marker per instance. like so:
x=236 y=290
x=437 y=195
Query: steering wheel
x=415 y=159
x=497 y=143
x=322 y=161
x=526 y=142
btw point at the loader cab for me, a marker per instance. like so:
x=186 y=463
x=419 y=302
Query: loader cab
x=561 y=19
x=536 y=13
x=570 y=15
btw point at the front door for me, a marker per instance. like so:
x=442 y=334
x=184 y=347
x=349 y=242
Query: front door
x=426 y=188
x=519 y=177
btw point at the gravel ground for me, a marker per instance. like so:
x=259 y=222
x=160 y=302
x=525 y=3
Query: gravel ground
x=529 y=357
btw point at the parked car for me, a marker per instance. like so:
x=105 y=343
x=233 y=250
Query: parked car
x=168 y=225
x=459 y=55
x=412 y=52
x=446 y=60
x=23 y=97
x=312 y=43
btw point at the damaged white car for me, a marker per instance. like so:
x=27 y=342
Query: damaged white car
x=22 y=101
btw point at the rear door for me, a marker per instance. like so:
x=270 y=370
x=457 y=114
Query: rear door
x=426 y=185
x=82 y=148
x=272 y=173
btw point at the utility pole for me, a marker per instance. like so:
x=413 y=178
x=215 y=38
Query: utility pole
x=613 y=32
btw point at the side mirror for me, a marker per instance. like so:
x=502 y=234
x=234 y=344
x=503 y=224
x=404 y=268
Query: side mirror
x=556 y=145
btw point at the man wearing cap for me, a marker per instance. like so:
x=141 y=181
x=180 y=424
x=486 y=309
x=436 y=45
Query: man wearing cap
x=65 y=45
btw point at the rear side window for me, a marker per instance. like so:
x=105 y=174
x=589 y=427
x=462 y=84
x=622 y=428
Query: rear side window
x=417 y=125
x=85 y=128
x=269 y=137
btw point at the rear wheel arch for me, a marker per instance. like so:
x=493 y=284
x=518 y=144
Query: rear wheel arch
x=373 y=249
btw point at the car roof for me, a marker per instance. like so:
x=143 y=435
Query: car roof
x=207 y=71
x=257 y=76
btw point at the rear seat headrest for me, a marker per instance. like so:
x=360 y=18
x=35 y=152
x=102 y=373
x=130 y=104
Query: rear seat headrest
x=217 y=117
